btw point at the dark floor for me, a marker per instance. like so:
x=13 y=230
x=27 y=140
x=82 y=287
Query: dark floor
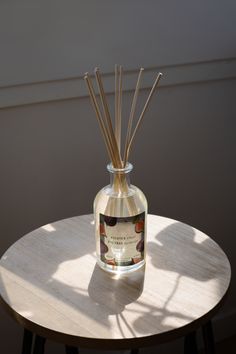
x=227 y=346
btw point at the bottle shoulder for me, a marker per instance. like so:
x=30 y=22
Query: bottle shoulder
x=109 y=191
x=109 y=203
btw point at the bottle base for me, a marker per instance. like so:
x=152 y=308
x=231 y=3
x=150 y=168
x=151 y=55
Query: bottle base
x=120 y=269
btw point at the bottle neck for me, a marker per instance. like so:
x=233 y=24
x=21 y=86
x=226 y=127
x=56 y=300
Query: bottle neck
x=120 y=178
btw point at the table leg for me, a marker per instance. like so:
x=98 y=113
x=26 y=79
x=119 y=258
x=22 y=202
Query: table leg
x=208 y=338
x=190 y=343
x=27 y=342
x=39 y=344
x=71 y=350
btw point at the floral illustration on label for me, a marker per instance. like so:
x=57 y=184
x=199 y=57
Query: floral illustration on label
x=122 y=239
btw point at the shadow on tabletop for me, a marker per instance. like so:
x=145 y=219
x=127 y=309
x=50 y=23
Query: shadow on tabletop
x=99 y=301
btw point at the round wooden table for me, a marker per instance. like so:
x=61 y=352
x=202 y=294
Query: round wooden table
x=51 y=285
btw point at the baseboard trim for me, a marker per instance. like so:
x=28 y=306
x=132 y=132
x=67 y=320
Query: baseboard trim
x=69 y=88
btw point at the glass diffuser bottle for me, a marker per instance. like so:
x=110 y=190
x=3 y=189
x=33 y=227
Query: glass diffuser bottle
x=120 y=208
x=120 y=211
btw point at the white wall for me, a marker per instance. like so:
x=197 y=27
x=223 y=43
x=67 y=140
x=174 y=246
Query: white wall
x=52 y=156
x=55 y=39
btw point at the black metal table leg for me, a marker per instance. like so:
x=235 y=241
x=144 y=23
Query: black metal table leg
x=39 y=344
x=27 y=342
x=71 y=350
x=190 y=343
x=208 y=338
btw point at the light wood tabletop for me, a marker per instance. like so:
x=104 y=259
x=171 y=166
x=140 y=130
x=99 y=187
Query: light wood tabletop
x=50 y=283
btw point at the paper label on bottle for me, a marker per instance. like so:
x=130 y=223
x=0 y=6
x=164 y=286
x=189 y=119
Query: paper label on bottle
x=122 y=239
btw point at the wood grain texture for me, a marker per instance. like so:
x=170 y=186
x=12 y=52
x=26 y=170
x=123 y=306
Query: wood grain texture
x=50 y=283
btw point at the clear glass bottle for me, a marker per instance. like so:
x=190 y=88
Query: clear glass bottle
x=120 y=211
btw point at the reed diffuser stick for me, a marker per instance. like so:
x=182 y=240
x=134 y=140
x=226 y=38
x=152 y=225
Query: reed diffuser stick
x=99 y=118
x=108 y=119
x=113 y=139
x=116 y=99
x=143 y=112
x=131 y=117
x=119 y=109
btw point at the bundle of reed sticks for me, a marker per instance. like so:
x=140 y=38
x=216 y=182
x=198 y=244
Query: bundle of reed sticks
x=112 y=132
